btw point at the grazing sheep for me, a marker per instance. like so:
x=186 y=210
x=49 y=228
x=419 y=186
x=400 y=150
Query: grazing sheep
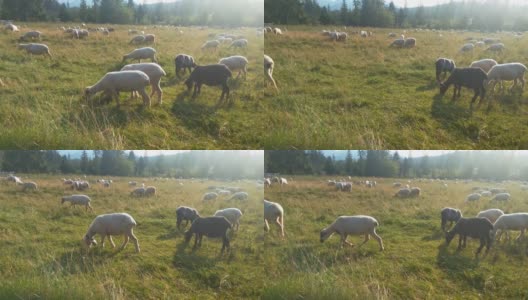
x=485 y=64
x=403 y=193
x=473 y=227
x=82 y=33
x=241 y=43
x=467 y=47
x=489 y=41
x=80 y=185
x=450 y=215
x=498 y=47
x=138 y=39
x=185 y=62
x=210 y=75
x=233 y=215
x=396 y=184
x=515 y=221
x=184 y=213
x=497 y=190
x=36 y=49
x=211 y=45
x=132 y=183
x=473 y=197
x=209 y=196
x=78 y=200
x=353 y=225
x=472 y=78
x=269 y=64
x=501 y=197
x=150 y=191
x=277 y=31
x=491 y=214
x=114 y=82
x=150 y=38
x=141 y=53
x=346 y=187
x=11 y=27
x=30 y=35
x=235 y=63
x=508 y=72
x=398 y=43
x=273 y=212
x=485 y=194
x=444 y=65
x=267 y=182
x=409 y=43
x=210 y=227
x=283 y=181
x=239 y=196
x=392 y=35
x=154 y=72
x=29 y=186
x=112 y=224
x=415 y=192
x=138 y=192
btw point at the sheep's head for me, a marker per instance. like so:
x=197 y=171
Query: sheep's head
x=189 y=84
x=88 y=93
x=63 y=200
x=89 y=241
x=188 y=235
x=443 y=88
x=449 y=236
x=325 y=234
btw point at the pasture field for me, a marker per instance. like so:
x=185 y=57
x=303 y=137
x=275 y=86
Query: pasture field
x=363 y=94
x=42 y=256
x=415 y=263
x=43 y=105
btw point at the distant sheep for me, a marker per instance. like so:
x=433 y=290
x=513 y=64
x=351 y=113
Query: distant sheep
x=112 y=224
x=150 y=191
x=239 y=196
x=78 y=200
x=141 y=53
x=211 y=45
x=233 y=215
x=498 y=47
x=241 y=43
x=403 y=193
x=491 y=214
x=138 y=39
x=473 y=197
x=138 y=192
x=400 y=43
x=480 y=228
x=209 y=196
x=283 y=181
x=415 y=192
x=30 y=35
x=409 y=43
x=11 y=27
x=467 y=47
x=353 y=225
x=184 y=213
x=273 y=212
x=29 y=186
x=501 y=197
x=508 y=72
x=277 y=31
x=35 y=49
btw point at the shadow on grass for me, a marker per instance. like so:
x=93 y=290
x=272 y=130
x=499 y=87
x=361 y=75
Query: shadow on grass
x=81 y=261
x=428 y=87
x=195 y=115
x=435 y=236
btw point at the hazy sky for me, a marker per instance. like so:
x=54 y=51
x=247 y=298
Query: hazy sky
x=411 y=3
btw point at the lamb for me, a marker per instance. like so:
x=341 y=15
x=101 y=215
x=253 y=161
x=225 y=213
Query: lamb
x=154 y=72
x=235 y=63
x=498 y=47
x=273 y=212
x=241 y=43
x=472 y=78
x=501 y=197
x=409 y=43
x=29 y=186
x=239 y=196
x=114 y=82
x=112 y=224
x=467 y=47
x=36 y=49
x=185 y=62
x=138 y=39
x=485 y=64
x=233 y=215
x=210 y=227
x=142 y=53
x=269 y=64
x=473 y=197
x=209 y=196
x=210 y=75
x=450 y=215
x=211 y=45
x=353 y=225
x=78 y=200
x=415 y=192
x=491 y=214
x=31 y=35
x=138 y=192
x=444 y=65
x=509 y=72
x=403 y=193
x=283 y=181
x=150 y=191
x=473 y=227
x=515 y=221
x=184 y=213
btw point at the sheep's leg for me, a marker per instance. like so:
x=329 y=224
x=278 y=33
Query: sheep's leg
x=195 y=91
x=266 y=225
x=454 y=93
x=513 y=85
x=521 y=79
x=160 y=92
x=146 y=98
x=482 y=243
x=443 y=225
x=465 y=239
x=499 y=236
x=367 y=238
x=459 y=242
x=195 y=241
x=378 y=238
x=178 y=223
x=111 y=241
x=124 y=243
x=134 y=239
x=521 y=235
x=200 y=240
x=102 y=240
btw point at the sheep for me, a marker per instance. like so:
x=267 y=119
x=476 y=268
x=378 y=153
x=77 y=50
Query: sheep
x=485 y=64
x=501 y=197
x=141 y=53
x=331 y=183
x=403 y=193
x=398 y=43
x=277 y=31
x=341 y=36
x=467 y=47
x=210 y=75
x=473 y=227
x=235 y=63
x=450 y=215
x=472 y=78
x=509 y=72
x=346 y=187
x=497 y=190
x=498 y=47
x=473 y=197
x=353 y=225
x=444 y=65
x=485 y=194
x=515 y=221
x=210 y=45
x=31 y=35
x=491 y=214
x=184 y=213
x=392 y=35
x=185 y=62
x=29 y=186
x=150 y=38
x=150 y=191
x=409 y=43
x=112 y=224
x=138 y=39
x=209 y=196
x=223 y=192
x=489 y=41
x=479 y=44
x=241 y=43
x=80 y=185
x=11 y=27
x=82 y=33
x=36 y=49
x=154 y=72
x=415 y=192
x=138 y=192
x=132 y=183
x=114 y=82
x=283 y=181
x=267 y=182
x=210 y=227
x=78 y=200
x=363 y=33
x=233 y=215
x=239 y=196
x=273 y=212
x=396 y=184
x=269 y=64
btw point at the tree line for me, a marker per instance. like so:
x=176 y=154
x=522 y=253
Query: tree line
x=471 y=15
x=197 y=164
x=183 y=12
x=492 y=165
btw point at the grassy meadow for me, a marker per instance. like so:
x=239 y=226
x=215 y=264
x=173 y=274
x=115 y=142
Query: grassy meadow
x=43 y=106
x=415 y=263
x=363 y=94
x=42 y=256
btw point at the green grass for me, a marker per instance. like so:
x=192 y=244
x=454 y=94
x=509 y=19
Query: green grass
x=363 y=94
x=42 y=255
x=415 y=264
x=43 y=107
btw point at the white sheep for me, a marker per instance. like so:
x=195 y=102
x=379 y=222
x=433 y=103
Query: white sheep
x=233 y=215
x=491 y=214
x=223 y=192
x=138 y=39
x=31 y=35
x=267 y=182
x=239 y=196
x=498 y=47
x=485 y=194
x=467 y=47
x=29 y=186
x=114 y=82
x=507 y=72
x=283 y=181
x=211 y=45
x=269 y=64
x=353 y=225
x=501 y=197
x=142 y=53
x=277 y=31
x=485 y=64
x=112 y=224
x=235 y=63
x=154 y=72
x=240 y=43
x=515 y=221
x=397 y=43
x=83 y=33
x=37 y=49
x=11 y=27
x=78 y=200
x=473 y=197
x=138 y=192
x=209 y=196
x=273 y=212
